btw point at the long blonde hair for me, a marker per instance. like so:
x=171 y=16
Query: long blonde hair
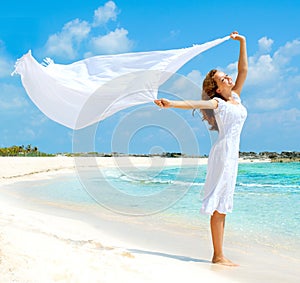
x=209 y=91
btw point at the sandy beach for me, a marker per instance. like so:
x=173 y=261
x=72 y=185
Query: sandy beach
x=37 y=247
x=53 y=245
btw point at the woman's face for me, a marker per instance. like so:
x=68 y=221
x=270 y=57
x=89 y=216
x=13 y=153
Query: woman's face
x=223 y=80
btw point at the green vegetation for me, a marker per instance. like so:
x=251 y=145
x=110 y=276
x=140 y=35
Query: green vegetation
x=21 y=150
x=284 y=156
x=29 y=150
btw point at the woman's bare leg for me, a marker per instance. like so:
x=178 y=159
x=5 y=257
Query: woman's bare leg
x=217 y=225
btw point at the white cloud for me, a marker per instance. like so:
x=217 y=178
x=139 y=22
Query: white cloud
x=265 y=44
x=116 y=41
x=106 y=13
x=196 y=77
x=77 y=36
x=65 y=43
x=285 y=53
x=264 y=69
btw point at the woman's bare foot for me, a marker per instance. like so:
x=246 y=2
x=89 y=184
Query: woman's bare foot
x=223 y=261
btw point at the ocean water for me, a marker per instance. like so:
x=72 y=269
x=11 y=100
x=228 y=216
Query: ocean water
x=266 y=201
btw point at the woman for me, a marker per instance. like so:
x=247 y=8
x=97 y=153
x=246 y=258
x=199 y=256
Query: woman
x=222 y=109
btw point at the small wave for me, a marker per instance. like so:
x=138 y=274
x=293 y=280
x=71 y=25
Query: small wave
x=188 y=183
x=115 y=175
x=150 y=181
x=267 y=185
x=156 y=181
x=144 y=180
x=112 y=173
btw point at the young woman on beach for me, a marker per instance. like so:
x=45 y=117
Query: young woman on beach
x=221 y=107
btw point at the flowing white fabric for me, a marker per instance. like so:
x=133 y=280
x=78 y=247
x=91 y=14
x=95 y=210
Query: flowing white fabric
x=85 y=92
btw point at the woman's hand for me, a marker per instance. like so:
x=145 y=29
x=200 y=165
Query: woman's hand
x=236 y=36
x=163 y=103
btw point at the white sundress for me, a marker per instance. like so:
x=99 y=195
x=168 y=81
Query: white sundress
x=222 y=164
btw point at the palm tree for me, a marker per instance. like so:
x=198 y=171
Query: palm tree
x=28 y=148
x=36 y=151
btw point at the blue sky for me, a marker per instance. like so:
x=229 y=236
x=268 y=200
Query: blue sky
x=67 y=31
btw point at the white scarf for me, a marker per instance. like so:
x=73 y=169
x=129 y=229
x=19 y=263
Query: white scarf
x=85 y=92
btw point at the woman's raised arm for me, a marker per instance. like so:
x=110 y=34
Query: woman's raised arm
x=242 y=63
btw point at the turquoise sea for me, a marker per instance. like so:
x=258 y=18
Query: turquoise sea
x=266 y=202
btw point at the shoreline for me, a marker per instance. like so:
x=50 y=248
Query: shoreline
x=18 y=169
